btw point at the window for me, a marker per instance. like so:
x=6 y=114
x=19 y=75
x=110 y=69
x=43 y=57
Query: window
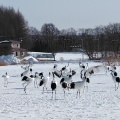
x=16 y=54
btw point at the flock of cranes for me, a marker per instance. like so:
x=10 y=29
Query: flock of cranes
x=65 y=74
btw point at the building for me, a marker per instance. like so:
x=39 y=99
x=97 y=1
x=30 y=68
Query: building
x=42 y=56
x=12 y=47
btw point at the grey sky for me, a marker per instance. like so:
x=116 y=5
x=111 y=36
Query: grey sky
x=67 y=13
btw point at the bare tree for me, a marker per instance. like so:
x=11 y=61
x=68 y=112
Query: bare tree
x=49 y=33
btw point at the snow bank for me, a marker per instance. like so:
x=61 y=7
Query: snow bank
x=30 y=59
x=9 y=59
x=64 y=56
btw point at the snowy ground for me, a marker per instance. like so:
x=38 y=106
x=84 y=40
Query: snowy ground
x=99 y=102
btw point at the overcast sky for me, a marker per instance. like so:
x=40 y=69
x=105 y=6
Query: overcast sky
x=67 y=13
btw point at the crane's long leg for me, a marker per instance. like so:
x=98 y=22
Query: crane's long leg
x=64 y=92
x=117 y=87
x=77 y=94
x=34 y=83
x=43 y=90
x=7 y=82
x=4 y=83
x=23 y=84
x=52 y=94
x=25 y=87
x=55 y=94
x=46 y=89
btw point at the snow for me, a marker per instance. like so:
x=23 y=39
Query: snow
x=64 y=56
x=69 y=56
x=99 y=102
x=35 y=54
x=9 y=59
x=30 y=59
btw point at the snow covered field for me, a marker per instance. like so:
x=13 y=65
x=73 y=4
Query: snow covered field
x=99 y=102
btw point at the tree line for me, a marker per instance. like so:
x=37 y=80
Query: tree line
x=101 y=39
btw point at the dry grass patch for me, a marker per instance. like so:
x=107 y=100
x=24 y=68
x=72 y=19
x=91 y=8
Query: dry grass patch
x=111 y=61
x=3 y=64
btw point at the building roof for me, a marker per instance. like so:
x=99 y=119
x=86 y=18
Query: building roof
x=5 y=41
x=10 y=41
x=14 y=42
